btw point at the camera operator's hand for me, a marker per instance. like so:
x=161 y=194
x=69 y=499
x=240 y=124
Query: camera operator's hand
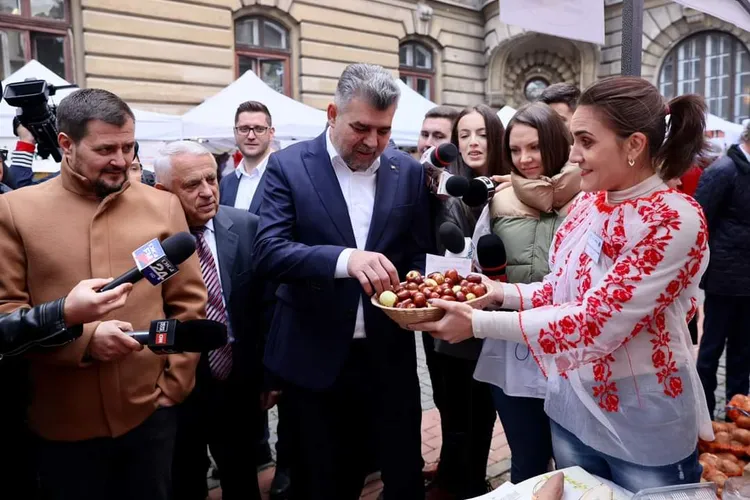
x=111 y=343
x=84 y=304
x=25 y=135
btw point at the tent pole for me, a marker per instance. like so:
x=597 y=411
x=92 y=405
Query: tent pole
x=745 y=4
x=632 y=36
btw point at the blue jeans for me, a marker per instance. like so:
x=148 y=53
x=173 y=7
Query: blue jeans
x=527 y=429
x=571 y=451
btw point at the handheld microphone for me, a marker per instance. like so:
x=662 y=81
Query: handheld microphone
x=170 y=336
x=157 y=262
x=479 y=191
x=443 y=155
x=492 y=258
x=452 y=238
x=457 y=186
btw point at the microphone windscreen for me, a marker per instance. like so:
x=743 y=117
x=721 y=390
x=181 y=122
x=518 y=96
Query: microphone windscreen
x=476 y=194
x=491 y=252
x=179 y=247
x=445 y=154
x=457 y=186
x=451 y=237
x=200 y=335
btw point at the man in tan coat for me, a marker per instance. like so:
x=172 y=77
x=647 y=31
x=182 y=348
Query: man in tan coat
x=101 y=405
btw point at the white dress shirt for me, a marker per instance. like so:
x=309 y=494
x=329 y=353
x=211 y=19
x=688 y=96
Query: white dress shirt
x=248 y=183
x=358 y=189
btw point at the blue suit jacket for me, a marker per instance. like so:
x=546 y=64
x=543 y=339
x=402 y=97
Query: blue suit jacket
x=304 y=226
x=228 y=187
x=235 y=235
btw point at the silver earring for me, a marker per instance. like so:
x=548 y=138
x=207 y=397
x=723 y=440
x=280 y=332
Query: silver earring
x=631 y=162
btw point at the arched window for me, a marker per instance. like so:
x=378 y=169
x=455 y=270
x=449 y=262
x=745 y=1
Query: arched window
x=416 y=67
x=715 y=65
x=35 y=29
x=262 y=45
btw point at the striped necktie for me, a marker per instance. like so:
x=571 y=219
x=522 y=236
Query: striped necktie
x=220 y=360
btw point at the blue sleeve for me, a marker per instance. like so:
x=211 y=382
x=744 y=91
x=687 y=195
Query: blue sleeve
x=278 y=256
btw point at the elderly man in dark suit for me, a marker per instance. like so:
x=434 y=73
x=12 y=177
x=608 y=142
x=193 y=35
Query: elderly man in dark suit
x=343 y=217
x=227 y=380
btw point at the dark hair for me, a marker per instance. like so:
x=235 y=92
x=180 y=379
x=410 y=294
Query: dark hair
x=82 y=106
x=565 y=93
x=554 y=136
x=445 y=112
x=630 y=104
x=494 y=130
x=253 y=107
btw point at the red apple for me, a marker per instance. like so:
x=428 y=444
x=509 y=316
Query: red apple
x=413 y=277
x=474 y=278
x=460 y=296
x=419 y=299
x=449 y=298
x=451 y=274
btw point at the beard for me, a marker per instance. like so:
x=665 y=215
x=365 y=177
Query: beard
x=355 y=163
x=102 y=189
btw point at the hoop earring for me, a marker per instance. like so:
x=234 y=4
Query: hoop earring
x=631 y=162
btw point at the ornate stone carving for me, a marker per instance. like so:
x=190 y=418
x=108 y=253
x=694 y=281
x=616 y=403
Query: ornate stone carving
x=550 y=66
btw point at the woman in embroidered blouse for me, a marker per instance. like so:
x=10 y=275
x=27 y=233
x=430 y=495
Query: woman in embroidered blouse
x=608 y=324
x=525 y=214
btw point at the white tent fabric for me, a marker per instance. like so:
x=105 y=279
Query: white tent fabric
x=407 y=122
x=149 y=126
x=212 y=121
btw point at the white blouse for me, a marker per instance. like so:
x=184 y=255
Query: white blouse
x=608 y=325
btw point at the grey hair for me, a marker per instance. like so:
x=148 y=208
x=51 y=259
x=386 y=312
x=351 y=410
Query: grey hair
x=368 y=81
x=745 y=135
x=163 y=162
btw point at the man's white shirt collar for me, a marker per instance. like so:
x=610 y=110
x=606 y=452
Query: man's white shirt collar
x=257 y=171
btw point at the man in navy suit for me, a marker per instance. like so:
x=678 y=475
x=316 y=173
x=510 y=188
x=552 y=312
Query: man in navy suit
x=253 y=134
x=344 y=217
x=219 y=411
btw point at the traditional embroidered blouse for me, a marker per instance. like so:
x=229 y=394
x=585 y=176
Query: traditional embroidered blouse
x=608 y=325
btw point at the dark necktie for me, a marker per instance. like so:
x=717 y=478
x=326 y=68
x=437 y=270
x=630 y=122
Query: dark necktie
x=220 y=360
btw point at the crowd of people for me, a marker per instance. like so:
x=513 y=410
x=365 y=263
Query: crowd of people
x=585 y=354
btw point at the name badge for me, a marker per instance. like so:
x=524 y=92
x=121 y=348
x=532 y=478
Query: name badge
x=594 y=247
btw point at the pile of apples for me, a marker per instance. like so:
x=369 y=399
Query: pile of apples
x=417 y=290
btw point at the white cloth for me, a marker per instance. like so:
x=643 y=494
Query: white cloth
x=248 y=183
x=503 y=363
x=609 y=330
x=358 y=189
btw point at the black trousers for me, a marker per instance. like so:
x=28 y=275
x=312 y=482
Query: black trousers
x=218 y=414
x=330 y=427
x=134 y=466
x=527 y=429
x=726 y=323
x=467 y=419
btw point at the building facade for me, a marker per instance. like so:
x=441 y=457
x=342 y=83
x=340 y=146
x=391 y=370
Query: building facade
x=169 y=55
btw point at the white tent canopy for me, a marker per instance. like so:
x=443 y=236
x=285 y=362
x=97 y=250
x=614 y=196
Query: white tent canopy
x=151 y=129
x=212 y=121
x=407 y=122
x=149 y=126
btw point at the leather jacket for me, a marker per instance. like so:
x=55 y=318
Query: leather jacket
x=42 y=325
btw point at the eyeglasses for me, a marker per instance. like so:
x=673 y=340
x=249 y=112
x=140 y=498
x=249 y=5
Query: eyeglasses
x=258 y=130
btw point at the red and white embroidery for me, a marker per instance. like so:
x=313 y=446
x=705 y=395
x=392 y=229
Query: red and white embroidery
x=581 y=328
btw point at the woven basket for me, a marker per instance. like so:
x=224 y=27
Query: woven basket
x=406 y=317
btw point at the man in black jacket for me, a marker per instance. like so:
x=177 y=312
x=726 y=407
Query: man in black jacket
x=724 y=194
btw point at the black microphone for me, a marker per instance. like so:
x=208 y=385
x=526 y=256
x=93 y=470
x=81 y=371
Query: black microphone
x=157 y=262
x=479 y=192
x=454 y=241
x=443 y=155
x=457 y=186
x=492 y=258
x=170 y=336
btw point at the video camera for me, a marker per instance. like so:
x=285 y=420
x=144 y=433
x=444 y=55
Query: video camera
x=37 y=113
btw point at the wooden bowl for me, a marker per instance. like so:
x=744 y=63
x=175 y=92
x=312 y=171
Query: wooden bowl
x=406 y=317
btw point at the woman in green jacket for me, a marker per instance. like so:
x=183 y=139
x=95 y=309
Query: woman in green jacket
x=525 y=214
